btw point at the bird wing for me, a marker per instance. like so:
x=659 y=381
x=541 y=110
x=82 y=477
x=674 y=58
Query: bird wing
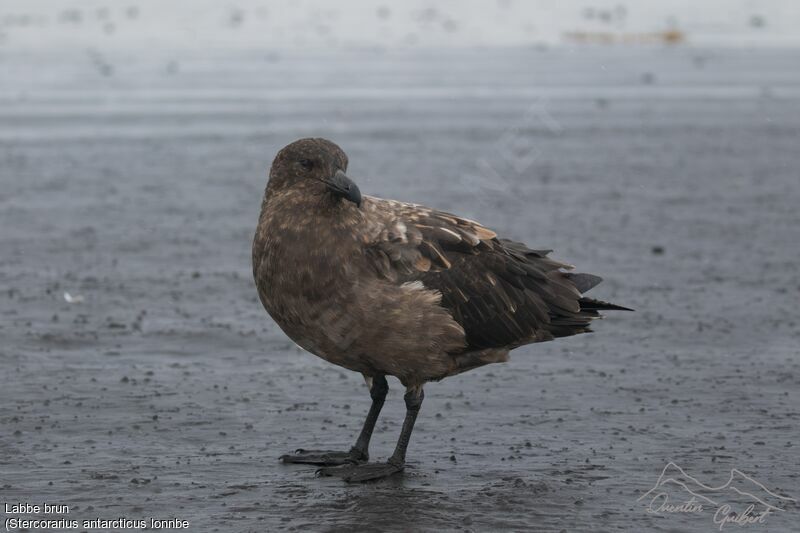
x=503 y=293
x=408 y=239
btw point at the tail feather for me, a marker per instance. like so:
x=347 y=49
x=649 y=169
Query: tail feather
x=583 y=282
x=590 y=304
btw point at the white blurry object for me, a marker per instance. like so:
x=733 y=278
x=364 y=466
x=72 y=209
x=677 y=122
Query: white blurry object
x=70 y=299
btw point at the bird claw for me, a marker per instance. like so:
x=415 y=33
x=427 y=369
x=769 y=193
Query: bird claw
x=323 y=457
x=356 y=473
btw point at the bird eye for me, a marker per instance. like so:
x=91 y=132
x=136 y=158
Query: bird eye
x=307 y=164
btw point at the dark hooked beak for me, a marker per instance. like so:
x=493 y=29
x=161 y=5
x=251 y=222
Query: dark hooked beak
x=342 y=186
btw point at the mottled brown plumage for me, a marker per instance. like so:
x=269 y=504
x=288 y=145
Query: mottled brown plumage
x=384 y=287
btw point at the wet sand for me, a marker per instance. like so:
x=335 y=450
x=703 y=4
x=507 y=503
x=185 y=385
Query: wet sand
x=134 y=184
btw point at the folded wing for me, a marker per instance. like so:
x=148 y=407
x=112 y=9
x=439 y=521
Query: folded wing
x=503 y=293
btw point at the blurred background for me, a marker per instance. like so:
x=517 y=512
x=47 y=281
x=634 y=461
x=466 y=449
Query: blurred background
x=317 y=24
x=653 y=143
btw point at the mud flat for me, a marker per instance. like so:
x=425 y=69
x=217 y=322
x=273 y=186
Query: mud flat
x=142 y=379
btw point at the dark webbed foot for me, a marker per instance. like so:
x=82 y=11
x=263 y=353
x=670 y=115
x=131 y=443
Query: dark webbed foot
x=325 y=457
x=355 y=473
x=358 y=453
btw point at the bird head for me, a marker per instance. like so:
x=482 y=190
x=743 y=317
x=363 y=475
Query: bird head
x=315 y=167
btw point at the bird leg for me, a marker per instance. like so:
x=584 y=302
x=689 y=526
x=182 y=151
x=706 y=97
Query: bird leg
x=396 y=463
x=358 y=453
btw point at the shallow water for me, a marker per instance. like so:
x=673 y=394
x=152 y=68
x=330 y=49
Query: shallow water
x=167 y=392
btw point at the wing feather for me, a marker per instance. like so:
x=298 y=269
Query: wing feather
x=501 y=292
